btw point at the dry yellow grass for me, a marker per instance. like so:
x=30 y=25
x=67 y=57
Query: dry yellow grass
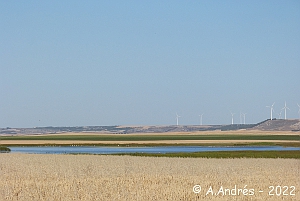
x=88 y=177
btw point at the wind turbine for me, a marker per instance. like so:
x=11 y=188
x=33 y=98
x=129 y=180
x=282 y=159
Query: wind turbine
x=241 y=117
x=244 y=114
x=177 y=117
x=232 y=114
x=299 y=110
x=271 y=108
x=279 y=114
x=284 y=108
x=201 y=118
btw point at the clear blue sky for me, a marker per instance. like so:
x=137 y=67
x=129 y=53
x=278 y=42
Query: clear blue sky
x=79 y=63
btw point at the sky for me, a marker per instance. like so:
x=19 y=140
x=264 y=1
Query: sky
x=87 y=63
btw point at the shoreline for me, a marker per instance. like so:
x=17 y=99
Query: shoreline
x=153 y=143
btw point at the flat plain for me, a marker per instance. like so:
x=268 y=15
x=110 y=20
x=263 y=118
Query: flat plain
x=285 y=138
x=98 y=177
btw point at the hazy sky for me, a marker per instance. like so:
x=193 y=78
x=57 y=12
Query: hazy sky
x=79 y=63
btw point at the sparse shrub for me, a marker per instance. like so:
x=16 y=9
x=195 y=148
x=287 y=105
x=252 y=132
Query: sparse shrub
x=4 y=149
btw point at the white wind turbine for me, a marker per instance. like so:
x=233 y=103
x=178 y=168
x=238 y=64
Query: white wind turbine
x=284 y=108
x=241 y=114
x=271 y=108
x=299 y=110
x=201 y=118
x=244 y=114
x=279 y=114
x=232 y=114
x=177 y=117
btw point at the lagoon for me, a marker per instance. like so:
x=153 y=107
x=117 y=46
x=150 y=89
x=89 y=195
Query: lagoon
x=157 y=149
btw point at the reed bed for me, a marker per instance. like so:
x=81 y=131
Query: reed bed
x=98 y=177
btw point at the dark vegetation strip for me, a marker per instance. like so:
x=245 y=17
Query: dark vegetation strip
x=284 y=144
x=152 y=137
x=224 y=154
x=4 y=149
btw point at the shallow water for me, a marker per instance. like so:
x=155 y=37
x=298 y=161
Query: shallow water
x=165 y=149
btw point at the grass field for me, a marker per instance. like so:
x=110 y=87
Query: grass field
x=234 y=138
x=89 y=177
x=224 y=154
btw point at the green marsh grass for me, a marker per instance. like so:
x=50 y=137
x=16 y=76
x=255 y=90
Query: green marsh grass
x=4 y=149
x=225 y=154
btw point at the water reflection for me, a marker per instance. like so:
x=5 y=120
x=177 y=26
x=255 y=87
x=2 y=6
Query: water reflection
x=167 y=149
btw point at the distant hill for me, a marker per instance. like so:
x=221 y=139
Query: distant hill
x=267 y=125
x=278 y=125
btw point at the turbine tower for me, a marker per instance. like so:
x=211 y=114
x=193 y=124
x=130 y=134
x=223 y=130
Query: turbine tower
x=299 y=110
x=271 y=108
x=244 y=114
x=241 y=114
x=177 y=117
x=201 y=118
x=284 y=108
x=232 y=114
x=279 y=114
